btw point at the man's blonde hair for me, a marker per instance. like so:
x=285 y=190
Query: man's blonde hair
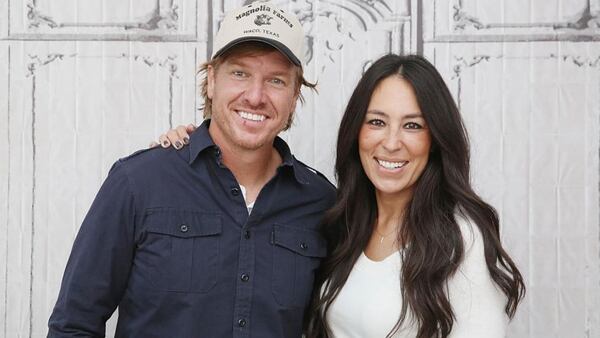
x=247 y=48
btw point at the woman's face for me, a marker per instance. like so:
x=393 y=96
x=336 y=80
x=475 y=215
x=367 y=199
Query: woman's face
x=394 y=140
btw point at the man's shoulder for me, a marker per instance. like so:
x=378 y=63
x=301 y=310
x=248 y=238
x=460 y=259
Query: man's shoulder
x=138 y=155
x=313 y=175
x=150 y=161
x=147 y=156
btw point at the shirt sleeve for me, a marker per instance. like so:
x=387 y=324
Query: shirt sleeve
x=98 y=268
x=477 y=302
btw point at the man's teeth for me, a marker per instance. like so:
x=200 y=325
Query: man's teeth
x=391 y=165
x=251 y=117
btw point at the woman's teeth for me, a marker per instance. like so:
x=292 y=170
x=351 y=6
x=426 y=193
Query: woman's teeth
x=391 y=165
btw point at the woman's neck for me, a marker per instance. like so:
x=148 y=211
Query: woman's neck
x=391 y=210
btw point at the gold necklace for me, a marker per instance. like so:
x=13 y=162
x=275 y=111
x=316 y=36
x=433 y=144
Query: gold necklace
x=382 y=235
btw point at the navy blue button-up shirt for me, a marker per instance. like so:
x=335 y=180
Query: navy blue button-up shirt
x=169 y=241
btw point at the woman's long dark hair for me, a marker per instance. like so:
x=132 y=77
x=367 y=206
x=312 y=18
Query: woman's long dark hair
x=436 y=245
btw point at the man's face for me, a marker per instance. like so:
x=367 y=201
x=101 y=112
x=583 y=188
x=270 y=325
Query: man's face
x=252 y=97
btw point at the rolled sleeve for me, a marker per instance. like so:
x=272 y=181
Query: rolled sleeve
x=98 y=269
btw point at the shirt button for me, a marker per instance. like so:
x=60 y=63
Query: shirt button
x=241 y=322
x=235 y=191
x=184 y=228
x=244 y=277
x=247 y=234
x=303 y=246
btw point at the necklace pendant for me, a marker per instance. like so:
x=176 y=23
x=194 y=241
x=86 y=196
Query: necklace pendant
x=381 y=241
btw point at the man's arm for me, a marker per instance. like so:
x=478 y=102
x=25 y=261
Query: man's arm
x=98 y=269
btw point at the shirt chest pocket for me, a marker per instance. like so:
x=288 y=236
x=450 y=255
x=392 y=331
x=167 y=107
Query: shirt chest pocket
x=297 y=254
x=181 y=250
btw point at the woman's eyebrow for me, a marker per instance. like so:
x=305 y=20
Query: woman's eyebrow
x=407 y=116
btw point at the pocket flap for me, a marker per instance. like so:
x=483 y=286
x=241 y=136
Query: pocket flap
x=308 y=243
x=183 y=223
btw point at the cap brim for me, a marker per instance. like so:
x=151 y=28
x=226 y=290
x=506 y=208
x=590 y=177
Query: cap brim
x=276 y=44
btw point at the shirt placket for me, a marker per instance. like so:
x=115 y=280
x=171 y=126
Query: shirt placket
x=246 y=267
x=244 y=282
x=246 y=263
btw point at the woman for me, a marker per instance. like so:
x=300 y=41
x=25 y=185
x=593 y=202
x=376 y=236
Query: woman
x=413 y=250
x=406 y=212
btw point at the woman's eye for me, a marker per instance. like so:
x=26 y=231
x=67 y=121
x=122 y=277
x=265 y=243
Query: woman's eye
x=412 y=125
x=376 y=122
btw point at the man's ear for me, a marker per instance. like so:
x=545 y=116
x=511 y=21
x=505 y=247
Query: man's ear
x=293 y=109
x=296 y=97
x=210 y=81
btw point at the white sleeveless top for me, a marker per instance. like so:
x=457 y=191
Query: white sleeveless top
x=369 y=304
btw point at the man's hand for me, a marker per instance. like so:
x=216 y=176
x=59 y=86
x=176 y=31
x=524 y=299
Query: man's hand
x=177 y=137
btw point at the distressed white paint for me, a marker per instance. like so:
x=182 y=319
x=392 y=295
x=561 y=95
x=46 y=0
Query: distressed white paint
x=512 y=20
x=4 y=179
x=71 y=19
x=532 y=109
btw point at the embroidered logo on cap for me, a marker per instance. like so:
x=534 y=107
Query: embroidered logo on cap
x=263 y=19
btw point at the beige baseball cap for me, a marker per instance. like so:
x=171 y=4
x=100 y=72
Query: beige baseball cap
x=263 y=22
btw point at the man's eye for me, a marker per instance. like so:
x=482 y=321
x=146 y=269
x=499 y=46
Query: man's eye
x=412 y=125
x=376 y=122
x=238 y=73
x=278 y=82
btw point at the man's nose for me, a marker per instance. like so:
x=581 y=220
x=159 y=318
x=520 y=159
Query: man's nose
x=255 y=92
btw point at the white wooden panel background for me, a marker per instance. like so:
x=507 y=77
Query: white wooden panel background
x=84 y=83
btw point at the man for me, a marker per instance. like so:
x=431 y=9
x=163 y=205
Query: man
x=218 y=239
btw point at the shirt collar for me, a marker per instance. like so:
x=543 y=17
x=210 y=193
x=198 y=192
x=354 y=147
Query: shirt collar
x=201 y=140
x=288 y=160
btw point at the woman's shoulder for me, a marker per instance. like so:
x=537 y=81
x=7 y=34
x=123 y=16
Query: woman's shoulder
x=476 y=300
x=473 y=265
x=469 y=230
